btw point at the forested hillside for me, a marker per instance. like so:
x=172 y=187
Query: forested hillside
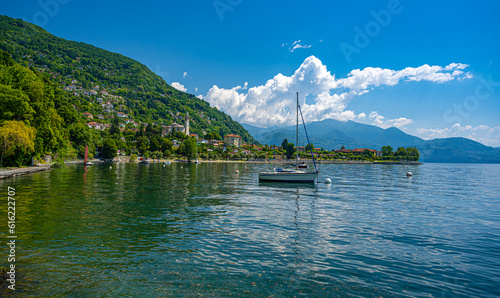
x=88 y=73
x=74 y=94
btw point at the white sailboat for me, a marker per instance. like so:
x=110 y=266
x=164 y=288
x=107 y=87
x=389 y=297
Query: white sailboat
x=288 y=175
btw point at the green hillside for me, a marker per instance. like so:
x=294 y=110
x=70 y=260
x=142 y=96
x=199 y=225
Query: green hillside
x=93 y=77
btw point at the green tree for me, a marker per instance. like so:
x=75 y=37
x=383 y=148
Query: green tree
x=367 y=153
x=179 y=135
x=16 y=137
x=109 y=149
x=114 y=130
x=81 y=135
x=156 y=154
x=167 y=145
x=189 y=148
x=284 y=144
x=387 y=151
x=156 y=143
x=401 y=153
x=212 y=136
x=290 y=150
x=413 y=153
x=309 y=147
x=342 y=148
x=142 y=144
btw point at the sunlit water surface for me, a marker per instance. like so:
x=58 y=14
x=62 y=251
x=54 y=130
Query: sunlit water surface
x=189 y=230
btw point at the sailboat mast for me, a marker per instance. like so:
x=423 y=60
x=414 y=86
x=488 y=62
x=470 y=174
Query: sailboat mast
x=297 y=135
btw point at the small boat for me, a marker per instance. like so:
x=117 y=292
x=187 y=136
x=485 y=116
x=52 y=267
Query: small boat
x=89 y=163
x=289 y=175
x=144 y=162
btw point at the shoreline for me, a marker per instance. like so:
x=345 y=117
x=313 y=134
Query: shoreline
x=4 y=174
x=257 y=161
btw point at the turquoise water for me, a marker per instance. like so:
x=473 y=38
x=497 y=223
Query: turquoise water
x=189 y=230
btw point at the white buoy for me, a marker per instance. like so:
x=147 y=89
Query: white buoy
x=328 y=180
x=409 y=174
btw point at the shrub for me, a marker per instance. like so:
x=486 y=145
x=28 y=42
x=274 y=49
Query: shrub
x=58 y=163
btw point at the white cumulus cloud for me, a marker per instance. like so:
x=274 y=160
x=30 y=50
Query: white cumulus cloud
x=273 y=103
x=382 y=122
x=178 y=86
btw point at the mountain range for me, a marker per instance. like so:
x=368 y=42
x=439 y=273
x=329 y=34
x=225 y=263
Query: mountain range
x=333 y=134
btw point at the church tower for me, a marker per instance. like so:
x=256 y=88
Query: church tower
x=187 y=124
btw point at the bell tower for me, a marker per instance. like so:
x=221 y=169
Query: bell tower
x=186 y=124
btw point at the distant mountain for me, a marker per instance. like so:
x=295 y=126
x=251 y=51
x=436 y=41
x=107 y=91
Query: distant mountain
x=458 y=150
x=333 y=134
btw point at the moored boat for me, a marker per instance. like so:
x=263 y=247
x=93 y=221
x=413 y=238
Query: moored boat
x=288 y=175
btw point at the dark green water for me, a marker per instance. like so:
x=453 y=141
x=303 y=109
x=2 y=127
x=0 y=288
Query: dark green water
x=189 y=230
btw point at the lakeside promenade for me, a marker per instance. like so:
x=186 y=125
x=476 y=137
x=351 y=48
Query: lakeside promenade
x=7 y=173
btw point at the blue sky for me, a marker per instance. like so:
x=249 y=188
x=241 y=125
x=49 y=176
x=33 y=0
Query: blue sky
x=430 y=69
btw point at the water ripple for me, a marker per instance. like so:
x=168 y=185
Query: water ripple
x=189 y=230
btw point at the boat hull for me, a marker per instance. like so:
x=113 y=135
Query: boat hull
x=303 y=177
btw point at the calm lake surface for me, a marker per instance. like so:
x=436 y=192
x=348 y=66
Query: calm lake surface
x=189 y=230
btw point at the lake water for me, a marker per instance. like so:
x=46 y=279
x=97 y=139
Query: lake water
x=189 y=230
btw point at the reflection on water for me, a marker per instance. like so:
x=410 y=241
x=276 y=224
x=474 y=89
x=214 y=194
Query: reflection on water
x=186 y=229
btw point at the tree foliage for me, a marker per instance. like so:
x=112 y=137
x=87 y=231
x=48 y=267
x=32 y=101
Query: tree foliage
x=109 y=149
x=290 y=150
x=188 y=148
x=401 y=153
x=213 y=136
x=413 y=153
x=284 y=144
x=16 y=137
x=26 y=95
x=367 y=153
x=387 y=151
